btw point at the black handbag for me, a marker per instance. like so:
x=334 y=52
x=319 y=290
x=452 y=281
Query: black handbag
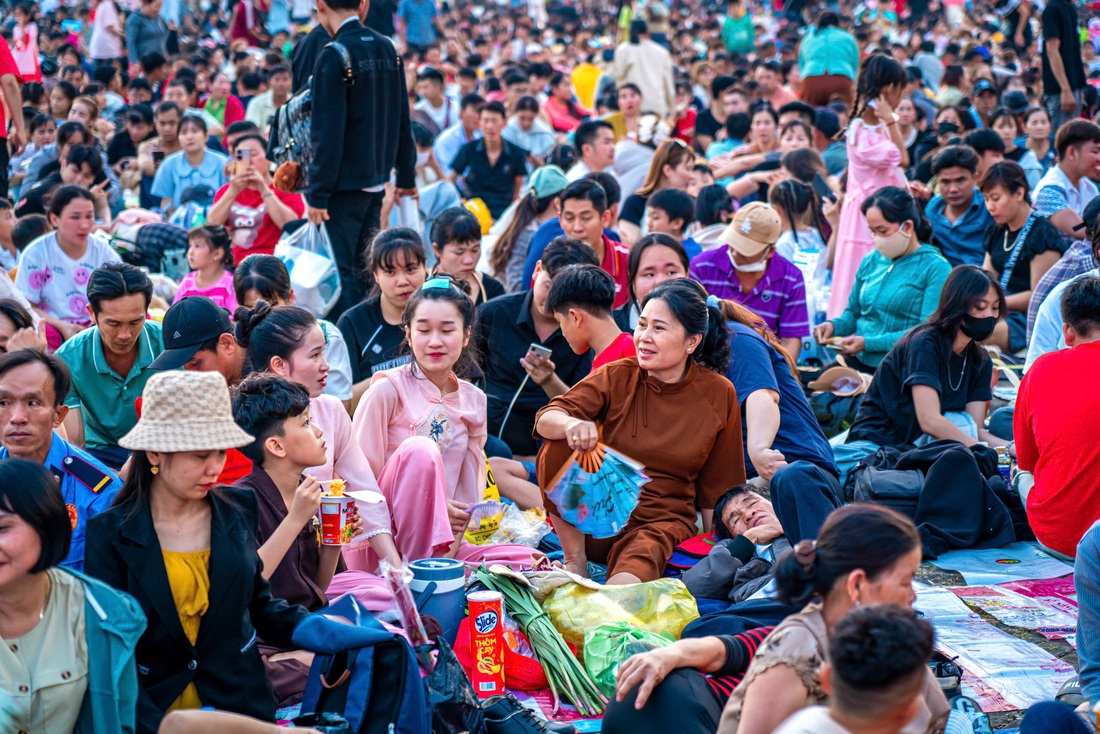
x=898 y=489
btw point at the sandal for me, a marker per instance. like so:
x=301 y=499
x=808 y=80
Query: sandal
x=948 y=673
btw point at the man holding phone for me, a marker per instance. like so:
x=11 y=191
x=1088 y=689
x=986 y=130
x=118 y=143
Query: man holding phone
x=248 y=206
x=523 y=353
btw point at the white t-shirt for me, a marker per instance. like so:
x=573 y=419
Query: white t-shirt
x=812 y=720
x=57 y=284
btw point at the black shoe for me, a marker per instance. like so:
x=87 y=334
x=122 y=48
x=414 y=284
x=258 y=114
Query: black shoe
x=506 y=715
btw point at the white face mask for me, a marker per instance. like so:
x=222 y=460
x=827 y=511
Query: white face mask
x=757 y=267
x=893 y=246
x=423 y=157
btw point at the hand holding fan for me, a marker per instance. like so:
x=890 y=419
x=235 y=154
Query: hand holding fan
x=597 y=490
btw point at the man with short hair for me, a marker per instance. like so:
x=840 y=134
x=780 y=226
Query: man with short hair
x=1066 y=189
x=110 y=362
x=83 y=166
x=33 y=386
x=466 y=130
x=989 y=147
x=1056 y=422
x=434 y=110
x=769 y=81
x=584 y=214
x=347 y=176
x=594 y=141
x=518 y=382
x=711 y=120
x=983 y=102
x=958 y=215
x=491 y=169
x=262 y=107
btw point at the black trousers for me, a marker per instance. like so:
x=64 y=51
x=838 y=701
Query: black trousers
x=5 y=159
x=353 y=222
x=683 y=703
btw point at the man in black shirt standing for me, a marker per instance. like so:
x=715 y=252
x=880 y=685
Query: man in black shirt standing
x=360 y=133
x=1063 y=71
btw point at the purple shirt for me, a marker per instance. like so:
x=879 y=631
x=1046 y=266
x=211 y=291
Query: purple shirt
x=779 y=298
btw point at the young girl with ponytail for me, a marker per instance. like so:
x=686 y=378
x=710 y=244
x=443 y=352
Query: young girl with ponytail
x=671 y=409
x=876 y=157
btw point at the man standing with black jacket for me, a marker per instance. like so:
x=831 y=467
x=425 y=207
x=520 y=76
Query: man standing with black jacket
x=360 y=132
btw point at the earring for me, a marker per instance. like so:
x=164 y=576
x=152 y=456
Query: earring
x=155 y=469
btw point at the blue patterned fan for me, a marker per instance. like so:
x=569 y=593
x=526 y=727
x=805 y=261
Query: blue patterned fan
x=596 y=491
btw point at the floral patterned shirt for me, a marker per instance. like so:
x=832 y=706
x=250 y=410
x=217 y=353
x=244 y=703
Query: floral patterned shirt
x=58 y=284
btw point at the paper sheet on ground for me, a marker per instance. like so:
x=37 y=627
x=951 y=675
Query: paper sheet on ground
x=1059 y=593
x=1017 y=610
x=998 y=565
x=1022 y=673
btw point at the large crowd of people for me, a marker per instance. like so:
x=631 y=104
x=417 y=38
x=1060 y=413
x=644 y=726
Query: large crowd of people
x=427 y=247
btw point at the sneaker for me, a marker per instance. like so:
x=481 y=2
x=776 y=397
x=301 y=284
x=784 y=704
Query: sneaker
x=968 y=709
x=505 y=715
x=1070 y=692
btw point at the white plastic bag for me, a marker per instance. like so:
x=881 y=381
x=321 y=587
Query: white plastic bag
x=309 y=258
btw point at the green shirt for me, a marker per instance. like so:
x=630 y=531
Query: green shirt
x=738 y=34
x=106 y=399
x=831 y=51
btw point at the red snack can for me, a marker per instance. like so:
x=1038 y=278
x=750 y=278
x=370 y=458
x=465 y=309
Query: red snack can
x=336 y=528
x=487 y=642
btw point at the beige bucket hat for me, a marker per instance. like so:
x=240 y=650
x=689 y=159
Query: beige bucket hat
x=185 y=411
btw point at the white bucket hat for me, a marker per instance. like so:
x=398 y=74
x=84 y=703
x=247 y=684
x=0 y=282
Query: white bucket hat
x=185 y=411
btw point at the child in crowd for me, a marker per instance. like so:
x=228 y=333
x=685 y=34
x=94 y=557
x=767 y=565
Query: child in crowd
x=285 y=445
x=423 y=432
x=799 y=241
x=265 y=278
x=8 y=252
x=27 y=229
x=875 y=677
x=671 y=212
x=581 y=299
x=456 y=241
x=209 y=253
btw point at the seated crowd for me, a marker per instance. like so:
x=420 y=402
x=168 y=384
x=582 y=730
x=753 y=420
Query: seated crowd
x=690 y=269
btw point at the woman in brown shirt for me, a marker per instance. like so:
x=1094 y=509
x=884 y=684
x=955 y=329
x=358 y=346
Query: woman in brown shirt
x=671 y=410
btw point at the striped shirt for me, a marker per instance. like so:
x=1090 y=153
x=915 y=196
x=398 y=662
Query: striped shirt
x=740 y=649
x=779 y=298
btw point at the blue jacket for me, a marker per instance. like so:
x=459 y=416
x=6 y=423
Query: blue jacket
x=114 y=623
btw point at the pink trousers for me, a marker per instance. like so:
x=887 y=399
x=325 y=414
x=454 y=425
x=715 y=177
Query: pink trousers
x=415 y=487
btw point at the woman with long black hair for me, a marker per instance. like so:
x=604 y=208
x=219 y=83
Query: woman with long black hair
x=937 y=380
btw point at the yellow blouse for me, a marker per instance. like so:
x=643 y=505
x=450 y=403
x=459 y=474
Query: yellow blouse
x=189 y=577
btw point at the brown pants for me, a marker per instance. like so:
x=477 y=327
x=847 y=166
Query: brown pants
x=821 y=90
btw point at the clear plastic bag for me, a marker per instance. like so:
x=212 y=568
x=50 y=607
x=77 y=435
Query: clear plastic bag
x=524 y=527
x=309 y=258
x=663 y=606
x=609 y=645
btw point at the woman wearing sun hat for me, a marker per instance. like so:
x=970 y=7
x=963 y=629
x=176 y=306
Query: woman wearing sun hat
x=185 y=549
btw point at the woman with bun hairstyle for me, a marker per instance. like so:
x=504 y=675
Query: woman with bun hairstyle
x=423 y=431
x=865 y=554
x=652 y=409
x=289 y=342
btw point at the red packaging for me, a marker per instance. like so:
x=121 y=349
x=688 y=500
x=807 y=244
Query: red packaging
x=336 y=529
x=487 y=642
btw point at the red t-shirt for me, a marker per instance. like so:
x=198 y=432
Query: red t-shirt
x=621 y=348
x=249 y=225
x=7 y=66
x=616 y=257
x=1056 y=425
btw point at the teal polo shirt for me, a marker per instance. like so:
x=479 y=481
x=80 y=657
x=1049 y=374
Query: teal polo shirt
x=106 y=399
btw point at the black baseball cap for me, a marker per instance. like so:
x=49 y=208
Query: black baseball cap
x=188 y=324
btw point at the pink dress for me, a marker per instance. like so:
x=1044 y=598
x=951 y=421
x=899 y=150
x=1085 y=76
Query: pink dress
x=25 y=51
x=221 y=292
x=425 y=448
x=873 y=162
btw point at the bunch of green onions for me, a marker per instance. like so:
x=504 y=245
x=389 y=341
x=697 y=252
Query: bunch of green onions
x=564 y=672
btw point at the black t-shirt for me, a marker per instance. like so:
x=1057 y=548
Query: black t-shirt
x=1060 y=23
x=1043 y=237
x=493 y=184
x=1016 y=154
x=706 y=124
x=380 y=16
x=887 y=415
x=374 y=344
x=633 y=209
x=502 y=334
x=122 y=146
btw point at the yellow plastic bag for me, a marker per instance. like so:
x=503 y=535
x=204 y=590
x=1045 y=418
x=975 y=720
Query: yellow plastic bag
x=663 y=606
x=487 y=523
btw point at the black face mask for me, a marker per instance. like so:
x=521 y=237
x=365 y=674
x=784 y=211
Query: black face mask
x=978 y=329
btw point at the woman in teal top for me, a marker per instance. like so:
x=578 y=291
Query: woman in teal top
x=828 y=58
x=897 y=285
